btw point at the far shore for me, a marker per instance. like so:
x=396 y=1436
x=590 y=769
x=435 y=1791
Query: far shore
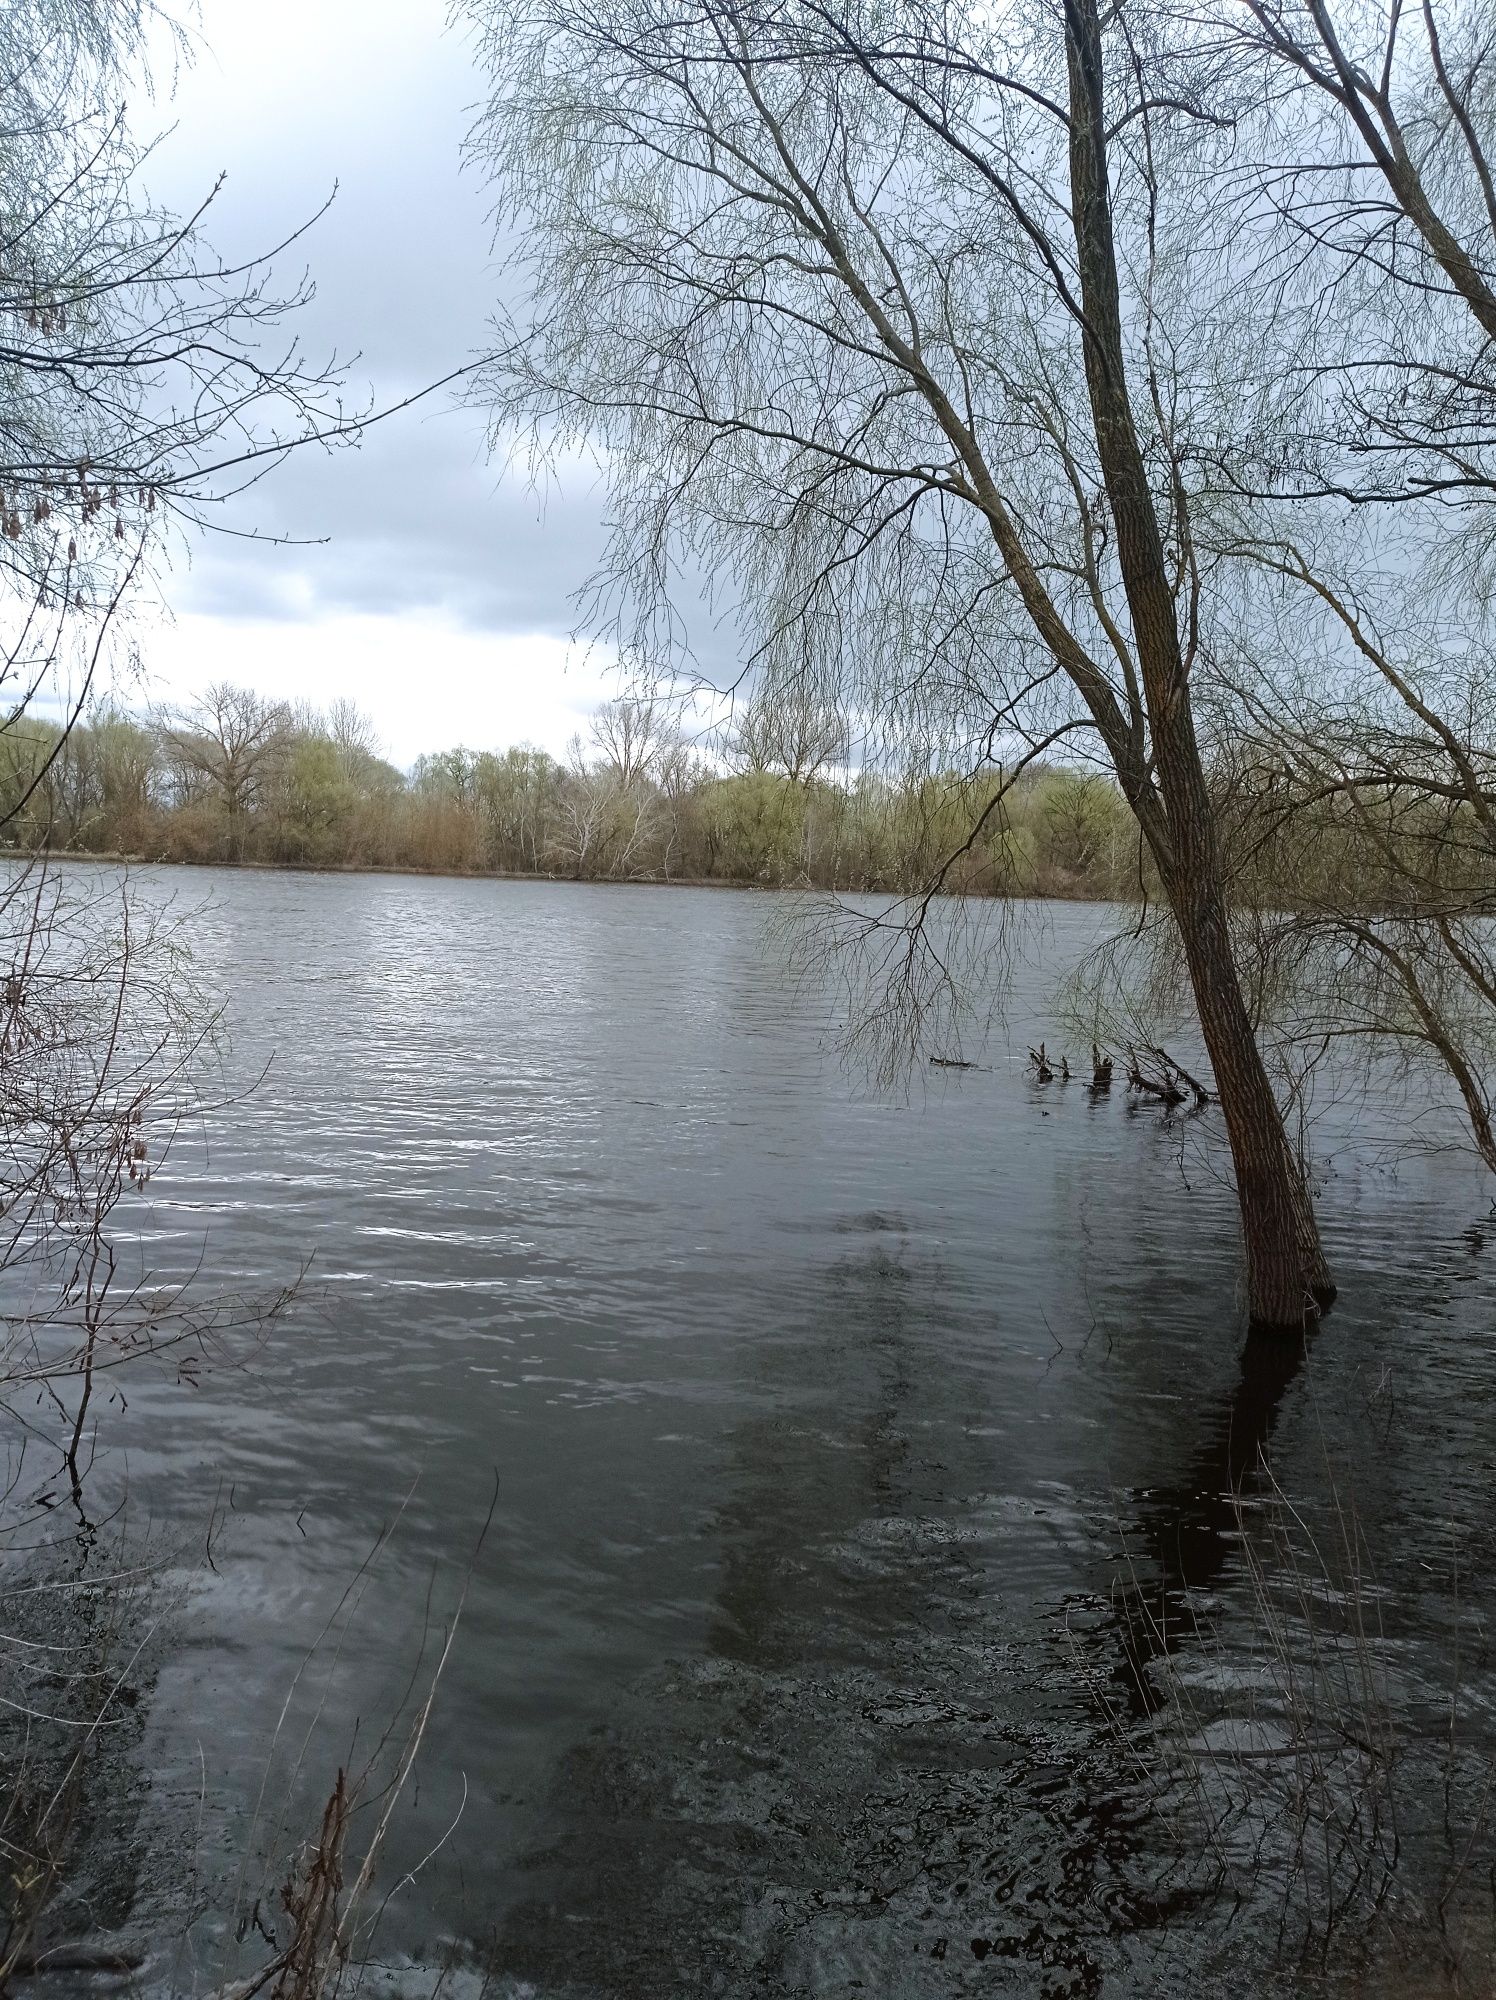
x=511 y=875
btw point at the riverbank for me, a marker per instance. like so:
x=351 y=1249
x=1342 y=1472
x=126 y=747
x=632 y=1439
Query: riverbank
x=1057 y=894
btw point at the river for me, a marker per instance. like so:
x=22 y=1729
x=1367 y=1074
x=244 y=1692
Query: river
x=838 y=1434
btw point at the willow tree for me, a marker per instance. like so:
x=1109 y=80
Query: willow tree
x=877 y=316
x=1358 y=499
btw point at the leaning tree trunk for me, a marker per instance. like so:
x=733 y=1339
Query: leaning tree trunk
x=1287 y=1277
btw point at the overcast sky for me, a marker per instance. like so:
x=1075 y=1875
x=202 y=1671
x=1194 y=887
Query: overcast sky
x=440 y=598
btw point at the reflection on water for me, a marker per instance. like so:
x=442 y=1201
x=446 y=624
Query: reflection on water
x=874 y=1777
x=797 y=1661
x=1183 y=1534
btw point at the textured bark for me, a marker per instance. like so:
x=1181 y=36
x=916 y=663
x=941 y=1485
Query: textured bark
x=1287 y=1276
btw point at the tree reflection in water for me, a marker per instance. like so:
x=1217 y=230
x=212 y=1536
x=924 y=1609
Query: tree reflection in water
x=891 y=1769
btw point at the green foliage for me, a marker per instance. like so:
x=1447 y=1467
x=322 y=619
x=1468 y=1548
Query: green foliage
x=320 y=796
x=753 y=827
x=317 y=802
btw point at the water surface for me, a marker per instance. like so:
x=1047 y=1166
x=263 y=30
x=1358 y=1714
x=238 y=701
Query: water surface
x=825 y=1423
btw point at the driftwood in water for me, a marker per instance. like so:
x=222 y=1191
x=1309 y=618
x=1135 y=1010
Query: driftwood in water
x=1043 y=1068
x=1101 y=1070
x=951 y=1062
x=1198 y=1091
x=1155 y=1072
x=1164 y=1088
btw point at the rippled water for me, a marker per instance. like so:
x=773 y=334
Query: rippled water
x=825 y=1426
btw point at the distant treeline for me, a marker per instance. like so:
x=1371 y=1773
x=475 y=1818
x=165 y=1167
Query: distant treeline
x=238 y=778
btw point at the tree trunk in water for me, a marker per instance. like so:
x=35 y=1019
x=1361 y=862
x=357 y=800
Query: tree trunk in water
x=1288 y=1279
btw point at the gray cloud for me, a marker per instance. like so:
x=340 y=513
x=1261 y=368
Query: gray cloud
x=416 y=518
x=416 y=523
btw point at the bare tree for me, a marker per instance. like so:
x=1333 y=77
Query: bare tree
x=632 y=733
x=1358 y=473
x=234 y=741
x=839 y=297
x=353 y=735
x=785 y=731
x=105 y=1049
x=1380 y=193
x=143 y=376
x=584 y=814
x=601 y=823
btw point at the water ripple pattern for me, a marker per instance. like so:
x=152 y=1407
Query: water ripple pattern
x=821 y=1418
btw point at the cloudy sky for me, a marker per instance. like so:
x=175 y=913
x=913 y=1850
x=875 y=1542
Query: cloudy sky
x=440 y=596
